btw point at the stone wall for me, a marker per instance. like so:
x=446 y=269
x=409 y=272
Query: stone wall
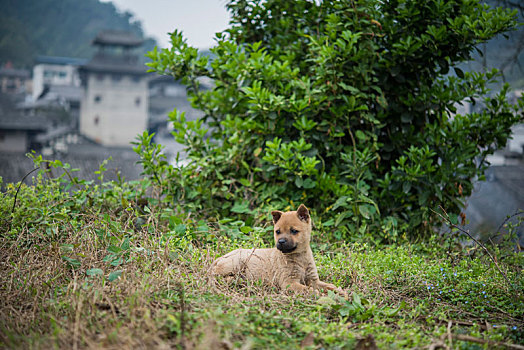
x=13 y=167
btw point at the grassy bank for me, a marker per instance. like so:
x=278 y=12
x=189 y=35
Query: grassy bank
x=100 y=266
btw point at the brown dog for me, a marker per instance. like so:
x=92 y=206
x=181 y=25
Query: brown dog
x=289 y=265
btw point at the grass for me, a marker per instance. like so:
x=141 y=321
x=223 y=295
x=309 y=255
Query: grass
x=101 y=270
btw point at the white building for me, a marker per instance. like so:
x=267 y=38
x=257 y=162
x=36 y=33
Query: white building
x=55 y=71
x=114 y=107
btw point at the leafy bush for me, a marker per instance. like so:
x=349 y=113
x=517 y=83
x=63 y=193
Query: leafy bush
x=349 y=106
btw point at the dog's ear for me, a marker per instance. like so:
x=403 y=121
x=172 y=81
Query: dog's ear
x=303 y=213
x=276 y=215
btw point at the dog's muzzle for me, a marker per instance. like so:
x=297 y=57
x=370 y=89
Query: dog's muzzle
x=285 y=246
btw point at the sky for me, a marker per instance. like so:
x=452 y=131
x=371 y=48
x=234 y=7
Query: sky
x=199 y=20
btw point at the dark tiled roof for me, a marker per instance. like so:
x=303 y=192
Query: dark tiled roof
x=67 y=92
x=115 y=37
x=21 y=123
x=15 y=73
x=13 y=120
x=53 y=133
x=61 y=60
x=106 y=63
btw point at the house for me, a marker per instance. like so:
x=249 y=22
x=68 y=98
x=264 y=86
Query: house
x=114 y=107
x=18 y=132
x=500 y=196
x=166 y=93
x=52 y=71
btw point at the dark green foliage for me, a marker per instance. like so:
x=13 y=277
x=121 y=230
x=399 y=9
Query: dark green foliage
x=57 y=28
x=348 y=106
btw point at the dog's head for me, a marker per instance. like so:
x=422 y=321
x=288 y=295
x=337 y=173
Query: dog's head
x=292 y=229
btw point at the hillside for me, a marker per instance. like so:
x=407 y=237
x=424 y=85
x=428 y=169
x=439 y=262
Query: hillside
x=58 y=28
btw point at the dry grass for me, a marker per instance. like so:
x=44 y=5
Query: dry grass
x=164 y=299
x=44 y=302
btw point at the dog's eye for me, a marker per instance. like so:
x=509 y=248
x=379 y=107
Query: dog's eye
x=278 y=232
x=293 y=231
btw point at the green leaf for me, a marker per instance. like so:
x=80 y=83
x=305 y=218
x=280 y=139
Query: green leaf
x=241 y=208
x=326 y=301
x=392 y=312
x=308 y=183
x=356 y=300
x=180 y=229
x=328 y=223
x=341 y=217
x=406 y=187
x=364 y=211
x=246 y=229
x=74 y=263
x=114 y=275
x=125 y=244
x=360 y=135
x=118 y=261
x=94 y=272
x=245 y=182
x=341 y=202
x=459 y=73
x=114 y=249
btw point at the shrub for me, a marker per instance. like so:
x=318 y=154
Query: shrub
x=348 y=106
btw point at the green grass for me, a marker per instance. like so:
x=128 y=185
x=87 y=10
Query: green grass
x=97 y=269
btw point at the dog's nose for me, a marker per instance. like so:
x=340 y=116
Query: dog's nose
x=282 y=240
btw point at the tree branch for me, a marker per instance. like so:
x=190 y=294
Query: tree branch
x=446 y=218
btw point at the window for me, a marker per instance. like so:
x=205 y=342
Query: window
x=136 y=79
x=98 y=98
x=137 y=101
x=97 y=120
x=116 y=77
x=100 y=77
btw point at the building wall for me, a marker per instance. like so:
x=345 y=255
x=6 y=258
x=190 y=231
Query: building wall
x=13 y=141
x=53 y=74
x=14 y=166
x=516 y=143
x=114 y=108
